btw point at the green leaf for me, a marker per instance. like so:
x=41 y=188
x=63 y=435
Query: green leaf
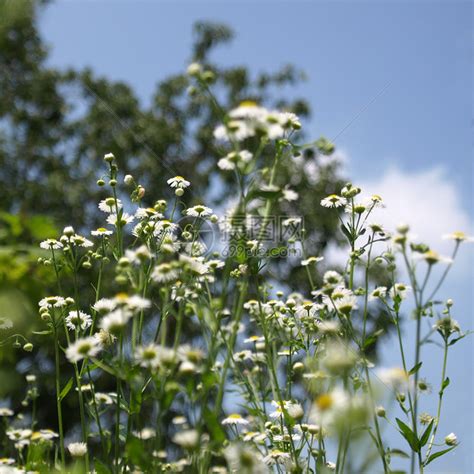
x=66 y=389
x=42 y=333
x=213 y=425
x=100 y=467
x=400 y=453
x=408 y=434
x=135 y=451
x=415 y=369
x=346 y=232
x=438 y=454
x=445 y=384
x=426 y=434
x=370 y=341
x=457 y=339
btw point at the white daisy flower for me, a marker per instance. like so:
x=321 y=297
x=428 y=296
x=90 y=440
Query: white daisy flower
x=145 y=433
x=164 y=273
x=109 y=205
x=194 y=264
x=80 y=241
x=329 y=406
x=399 y=289
x=329 y=327
x=378 y=293
x=458 y=236
x=138 y=255
x=77 y=450
x=243 y=457
x=115 y=321
x=234 y=130
x=148 y=213
x=289 y=194
x=234 y=159
x=280 y=407
x=307 y=309
x=311 y=260
x=396 y=377
x=333 y=200
x=124 y=219
x=164 y=226
x=6 y=412
x=169 y=244
x=178 y=182
x=44 y=435
x=332 y=278
x=149 y=356
x=235 y=419
x=275 y=456
x=82 y=348
x=51 y=244
x=187 y=439
x=52 y=302
x=138 y=303
x=198 y=211
x=215 y=263
x=431 y=257
x=101 y=231
x=78 y=319
x=105 y=305
x=103 y=398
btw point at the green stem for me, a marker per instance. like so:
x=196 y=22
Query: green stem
x=58 y=391
x=440 y=400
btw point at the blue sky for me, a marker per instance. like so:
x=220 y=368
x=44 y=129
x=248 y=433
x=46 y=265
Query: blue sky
x=391 y=80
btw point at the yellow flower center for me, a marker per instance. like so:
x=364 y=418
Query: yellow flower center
x=248 y=103
x=324 y=402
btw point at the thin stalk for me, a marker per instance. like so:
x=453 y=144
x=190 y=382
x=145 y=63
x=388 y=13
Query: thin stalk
x=440 y=400
x=58 y=391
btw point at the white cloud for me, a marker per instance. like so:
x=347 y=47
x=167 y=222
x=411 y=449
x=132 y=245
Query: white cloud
x=427 y=200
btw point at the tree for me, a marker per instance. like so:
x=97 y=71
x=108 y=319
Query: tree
x=55 y=127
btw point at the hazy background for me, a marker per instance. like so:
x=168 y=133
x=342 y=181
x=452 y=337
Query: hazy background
x=389 y=82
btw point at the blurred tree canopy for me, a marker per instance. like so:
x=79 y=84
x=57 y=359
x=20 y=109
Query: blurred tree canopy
x=56 y=125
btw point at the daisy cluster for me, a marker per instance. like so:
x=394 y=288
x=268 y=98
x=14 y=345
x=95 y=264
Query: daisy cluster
x=189 y=360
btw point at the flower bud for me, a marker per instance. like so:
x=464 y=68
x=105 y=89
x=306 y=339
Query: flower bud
x=179 y=192
x=194 y=69
x=100 y=182
x=380 y=411
x=28 y=347
x=69 y=231
x=403 y=228
x=298 y=367
x=124 y=262
x=109 y=157
x=208 y=77
x=451 y=439
x=113 y=182
x=128 y=179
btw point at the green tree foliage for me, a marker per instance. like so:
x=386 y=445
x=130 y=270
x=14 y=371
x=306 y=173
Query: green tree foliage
x=56 y=125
